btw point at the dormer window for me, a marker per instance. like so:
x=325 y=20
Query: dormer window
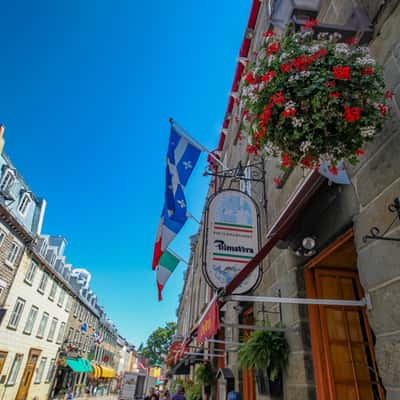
x=24 y=203
x=43 y=250
x=7 y=180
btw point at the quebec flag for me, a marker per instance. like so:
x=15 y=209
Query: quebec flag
x=182 y=157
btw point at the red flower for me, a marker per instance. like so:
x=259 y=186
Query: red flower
x=291 y=112
x=311 y=23
x=340 y=72
x=252 y=149
x=367 y=71
x=277 y=98
x=286 y=161
x=268 y=33
x=334 y=94
x=351 y=40
x=277 y=182
x=352 y=114
x=255 y=53
x=272 y=48
x=323 y=52
x=268 y=76
x=250 y=78
x=359 y=152
x=307 y=162
x=388 y=94
x=239 y=136
x=285 y=67
x=333 y=170
x=237 y=119
x=383 y=109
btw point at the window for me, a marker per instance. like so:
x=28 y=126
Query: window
x=52 y=329
x=76 y=311
x=7 y=180
x=30 y=321
x=30 y=275
x=76 y=337
x=16 y=365
x=24 y=203
x=60 y=333
x=43 y=282
x=61 y=297
x=2 y=236
x=40 y=370
x=51 y=370
x=43 y=250
x=16 y=314
x=42 y=325
x=70 y=335
x=53 y=291
x=13 y=254
x=69 y=304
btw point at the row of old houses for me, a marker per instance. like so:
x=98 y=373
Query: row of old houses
x=54 y=335
x=315 y=243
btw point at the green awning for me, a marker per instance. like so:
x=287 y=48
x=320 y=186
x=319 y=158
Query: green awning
x=79 y=365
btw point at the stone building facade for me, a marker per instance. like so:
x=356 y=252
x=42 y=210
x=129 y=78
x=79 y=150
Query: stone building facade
x=335 y=353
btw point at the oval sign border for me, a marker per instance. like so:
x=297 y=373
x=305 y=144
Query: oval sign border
x=206 y=239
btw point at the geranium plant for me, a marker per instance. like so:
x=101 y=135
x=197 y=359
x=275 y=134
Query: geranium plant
x=309 y=100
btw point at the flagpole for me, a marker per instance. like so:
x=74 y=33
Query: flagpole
x=177 y=256
x=192 y=140
x=189 y=215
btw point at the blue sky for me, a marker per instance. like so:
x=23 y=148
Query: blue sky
x=87 y=87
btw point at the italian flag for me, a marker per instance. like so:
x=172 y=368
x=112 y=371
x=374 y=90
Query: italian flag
x=166 y=266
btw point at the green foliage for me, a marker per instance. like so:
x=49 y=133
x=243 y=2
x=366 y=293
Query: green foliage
x=192 y=391
x=176 y=382
x=158 y=343
x=265 y=350
x=302 y=108
x=204 y=374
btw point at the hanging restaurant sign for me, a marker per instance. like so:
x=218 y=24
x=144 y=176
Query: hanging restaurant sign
x=231 y=239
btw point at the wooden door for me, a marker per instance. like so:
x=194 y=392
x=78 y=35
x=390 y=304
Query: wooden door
x=249 y=387
x=3 y=357
x=28 y=374
x=342 y=344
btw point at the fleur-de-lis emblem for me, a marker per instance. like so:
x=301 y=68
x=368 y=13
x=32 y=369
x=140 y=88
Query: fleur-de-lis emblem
x=187 y=164
x=181 y=203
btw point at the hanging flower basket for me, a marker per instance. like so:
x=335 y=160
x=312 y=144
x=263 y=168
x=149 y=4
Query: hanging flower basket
x=313 y=100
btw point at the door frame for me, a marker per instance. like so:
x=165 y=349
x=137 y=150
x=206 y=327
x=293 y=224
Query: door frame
x=322 y=368
x=32 y=352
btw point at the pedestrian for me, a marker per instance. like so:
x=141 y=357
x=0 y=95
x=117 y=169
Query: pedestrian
x=166 y=395
x=180 y=393
x=70 y=394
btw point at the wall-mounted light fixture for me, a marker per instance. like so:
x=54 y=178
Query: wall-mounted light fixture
x=307 y=247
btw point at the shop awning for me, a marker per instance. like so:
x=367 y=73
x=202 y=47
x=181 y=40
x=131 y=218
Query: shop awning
x=96 y=371
x=107 y=372
x=79 y=365
x=182 y=368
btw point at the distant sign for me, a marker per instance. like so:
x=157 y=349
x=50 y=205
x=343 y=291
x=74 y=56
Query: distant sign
x=231 y=239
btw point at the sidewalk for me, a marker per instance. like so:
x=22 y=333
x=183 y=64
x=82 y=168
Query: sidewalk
x=109 y=397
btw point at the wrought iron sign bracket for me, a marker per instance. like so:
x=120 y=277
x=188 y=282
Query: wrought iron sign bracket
x=238 y=173
x=375 y=233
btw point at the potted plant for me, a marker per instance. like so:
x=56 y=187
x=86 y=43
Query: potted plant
x=205 y=376
x=313 y=99
x=266 y=351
